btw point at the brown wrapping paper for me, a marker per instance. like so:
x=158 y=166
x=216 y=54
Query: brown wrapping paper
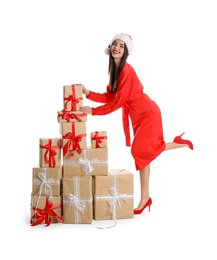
x=50 y=152
x=71 y=116
x=92 y=161
x=98 y=139
x=40 y=203
x=113 y=196
x=73 y=137
x=76 y=128
x=47 y=181
x=72 y=97
x=77 y=200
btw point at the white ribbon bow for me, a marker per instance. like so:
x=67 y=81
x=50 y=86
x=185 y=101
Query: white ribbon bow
x=77 y=203
x=45 y=183
x=85 y=165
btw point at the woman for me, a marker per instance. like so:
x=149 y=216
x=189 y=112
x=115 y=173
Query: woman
x=126 y=91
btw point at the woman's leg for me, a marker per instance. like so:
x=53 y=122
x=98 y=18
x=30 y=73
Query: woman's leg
x=144 y=185
x=145 y=174
x=172 y=145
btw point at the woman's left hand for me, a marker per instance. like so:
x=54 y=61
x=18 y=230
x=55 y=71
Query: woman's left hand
x=86 y=109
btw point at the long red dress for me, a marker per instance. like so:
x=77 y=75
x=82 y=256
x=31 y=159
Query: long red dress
x=144 y=113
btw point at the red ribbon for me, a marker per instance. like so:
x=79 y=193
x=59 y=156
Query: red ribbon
x=49 y=156
x=125 y=117
x=73 y=142
x=98 y=139
x=45 y=214
x=72 y=98
x=67 y=115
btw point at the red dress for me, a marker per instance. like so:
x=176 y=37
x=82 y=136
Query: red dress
x=144 y=113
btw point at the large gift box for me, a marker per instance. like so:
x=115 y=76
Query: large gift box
x=46 y=210
x=98 y=139
x=77 y=200
x=72 y=97
x=50 y=152
x=113 y=195
x=91 y=161
x=47 y=181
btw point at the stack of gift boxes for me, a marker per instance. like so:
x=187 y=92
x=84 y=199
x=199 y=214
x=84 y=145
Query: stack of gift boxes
x=73 y=183
x=46 y=196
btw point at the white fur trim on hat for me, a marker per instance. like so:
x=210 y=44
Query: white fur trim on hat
x=123 y=37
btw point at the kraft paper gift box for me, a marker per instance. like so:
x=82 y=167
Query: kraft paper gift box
x=73 y=128
x=47 y=181
x=71 y=116
x=98 y=139
x=91 y=161
x=45 y=210
x=72 y=97
x=50 y=152
x=73 y=137
x=77 y=200
x=113 y=195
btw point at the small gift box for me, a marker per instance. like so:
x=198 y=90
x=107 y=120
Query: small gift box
x=91 y=161
x=50 y=152
x=98 y=139
x=113 y=195
x=72 y=97
x=77 y=200
x=73 y=137
x=65 y=116
x=46 y=181
x=46 y=210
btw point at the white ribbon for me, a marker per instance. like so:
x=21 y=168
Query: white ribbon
x=113 y=200
x=77 y=203
x=116 y=196
x=85 y=165
x=44 y=184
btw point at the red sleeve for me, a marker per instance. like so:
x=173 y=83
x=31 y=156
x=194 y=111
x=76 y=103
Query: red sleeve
x=101 y=98
x=121 y=96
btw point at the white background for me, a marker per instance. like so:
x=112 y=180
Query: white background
x=47 y=44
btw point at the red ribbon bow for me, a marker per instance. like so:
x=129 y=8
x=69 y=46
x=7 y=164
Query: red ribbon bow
x=71 y=98
x=98 y=139
x=73 y=141
x=67 y=115
x=49 y=156
x=45 y=214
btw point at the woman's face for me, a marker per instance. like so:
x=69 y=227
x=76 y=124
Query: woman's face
x=117 y=49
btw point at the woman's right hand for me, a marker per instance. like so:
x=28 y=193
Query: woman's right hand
x=85 y=91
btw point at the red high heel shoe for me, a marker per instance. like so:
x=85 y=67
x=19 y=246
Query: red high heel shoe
x=178 y=139
x=147 y=204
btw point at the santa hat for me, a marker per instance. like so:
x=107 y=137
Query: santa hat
x=123 y=37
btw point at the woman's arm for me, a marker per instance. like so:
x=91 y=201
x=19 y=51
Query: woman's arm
x=98 y=97
x=120 y=97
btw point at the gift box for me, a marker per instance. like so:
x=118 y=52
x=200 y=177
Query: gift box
x=77 y=200
x=113 y=195
x=73 y=128
x=91 y=161
x=98 y=139
x=72 y=97
x=65 y=116
x=46 y=210
x=46 y=181
x=50 y=152
x=73 y=138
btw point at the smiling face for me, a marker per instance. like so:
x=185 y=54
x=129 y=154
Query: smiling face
x=117 y=49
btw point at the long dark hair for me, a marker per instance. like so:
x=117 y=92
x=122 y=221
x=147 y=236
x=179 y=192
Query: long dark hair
x=113 y=74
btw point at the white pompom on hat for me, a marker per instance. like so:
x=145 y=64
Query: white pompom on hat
x=123 y=37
